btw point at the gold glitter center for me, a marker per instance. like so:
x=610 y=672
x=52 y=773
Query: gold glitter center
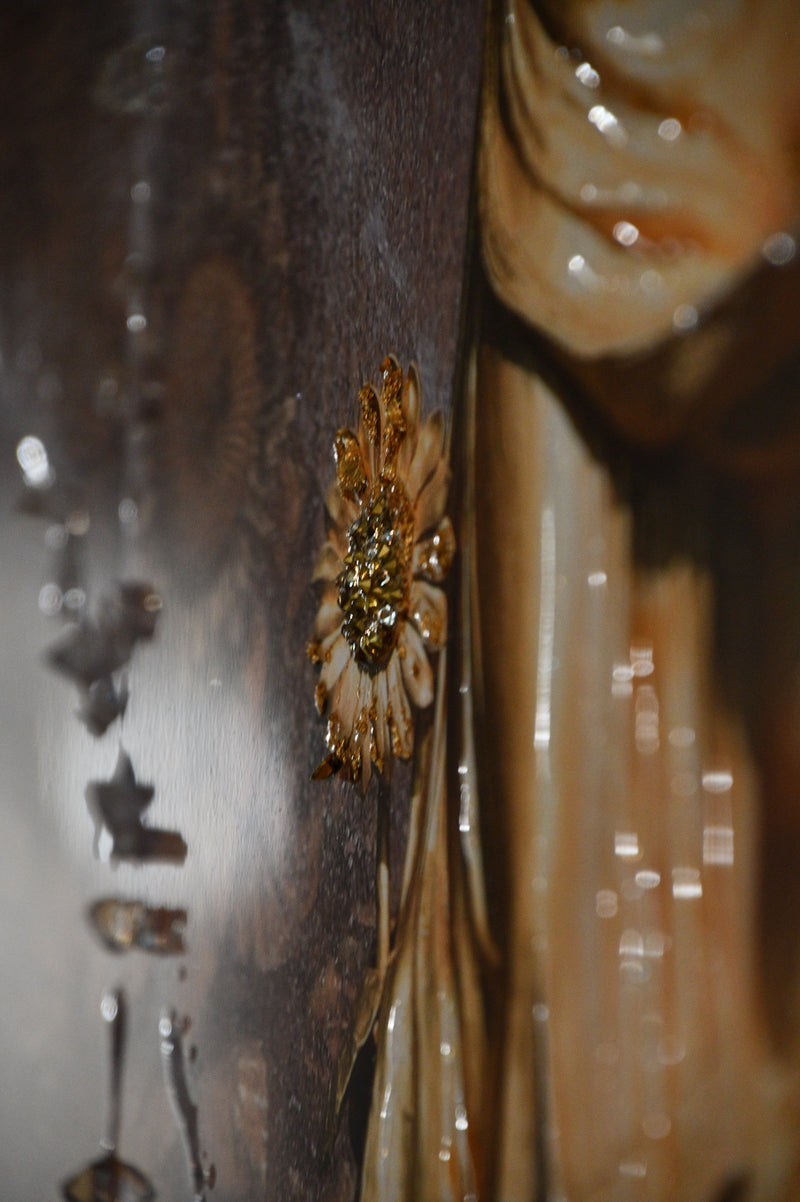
x=375 y=583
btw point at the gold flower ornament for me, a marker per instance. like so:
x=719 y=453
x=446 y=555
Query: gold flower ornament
x=388 y=551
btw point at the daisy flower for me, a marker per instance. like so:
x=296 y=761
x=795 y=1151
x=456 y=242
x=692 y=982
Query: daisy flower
x=389 y=548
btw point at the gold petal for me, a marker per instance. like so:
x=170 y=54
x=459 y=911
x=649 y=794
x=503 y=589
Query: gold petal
x=394 y=419
x=370 y=427
x=432 y=499
x=351 y=472
x=329 y=615
x=329 y=562
x=433 y=555
x=427 y=455
x=417 y=672
x=429 y=613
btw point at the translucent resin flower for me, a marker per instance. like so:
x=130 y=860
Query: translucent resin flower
x=388 y=551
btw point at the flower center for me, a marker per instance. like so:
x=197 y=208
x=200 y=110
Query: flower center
x=374 y=586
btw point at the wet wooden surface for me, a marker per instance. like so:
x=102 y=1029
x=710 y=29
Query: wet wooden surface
x=217 y=218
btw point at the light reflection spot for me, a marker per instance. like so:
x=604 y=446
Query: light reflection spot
x=655 y=944
x=587 y=75
x=32 y=458
x=588 y=193
x=718 y=845
x=445 y=1049
x=717 y=782
x=140 y=192
x=650 y=282
x=625 y=233
x=56 y=537
x=596 y=579
x=109 y=1007
x=631 y=944
x=78 y=522
x=540 y=1013
x=621 y=672
x=606 y=903
x=50 y=599
x=670 y=1051
x=656 y=1126
x=647 y=878
x=128 y=511
x=685 y=318
x=74 y=598
x=137 y=323
x=670 y=129
x=633 y=1168
x=626 y=844
x=642 y=659
x=462 y=1123
x=156 y=54
x=779 y=249
x=607 y=124
x=686 y=883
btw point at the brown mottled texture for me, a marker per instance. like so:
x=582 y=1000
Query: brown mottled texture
x=308 y=174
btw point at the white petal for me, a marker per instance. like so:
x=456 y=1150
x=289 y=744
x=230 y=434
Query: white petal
x=402 y=722
x=427 y=454
x=329 y=615
x=381 y=733
x=432 y=499
x=334 y=660
x=417 y=672
x=342 y=512
x=429 y=613
x=329 y=562
x=411 y=408
x=344 y=697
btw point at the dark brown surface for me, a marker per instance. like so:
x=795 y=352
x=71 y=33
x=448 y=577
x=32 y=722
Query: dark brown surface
x=309 y=168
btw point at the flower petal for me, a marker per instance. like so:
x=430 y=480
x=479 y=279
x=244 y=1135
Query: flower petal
x=427 y=454
x=433 y=555
x=429 y=613
x=329 y=562
x=369 y=428
x=432 y=499
x=345 y=698
x=381 y=729
x=329 y=615
x=412 y=393
x=417 y=672
x=351 y=470
x=399 y=719
x=342 y=512
x=411 y=410
x=334 y=661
